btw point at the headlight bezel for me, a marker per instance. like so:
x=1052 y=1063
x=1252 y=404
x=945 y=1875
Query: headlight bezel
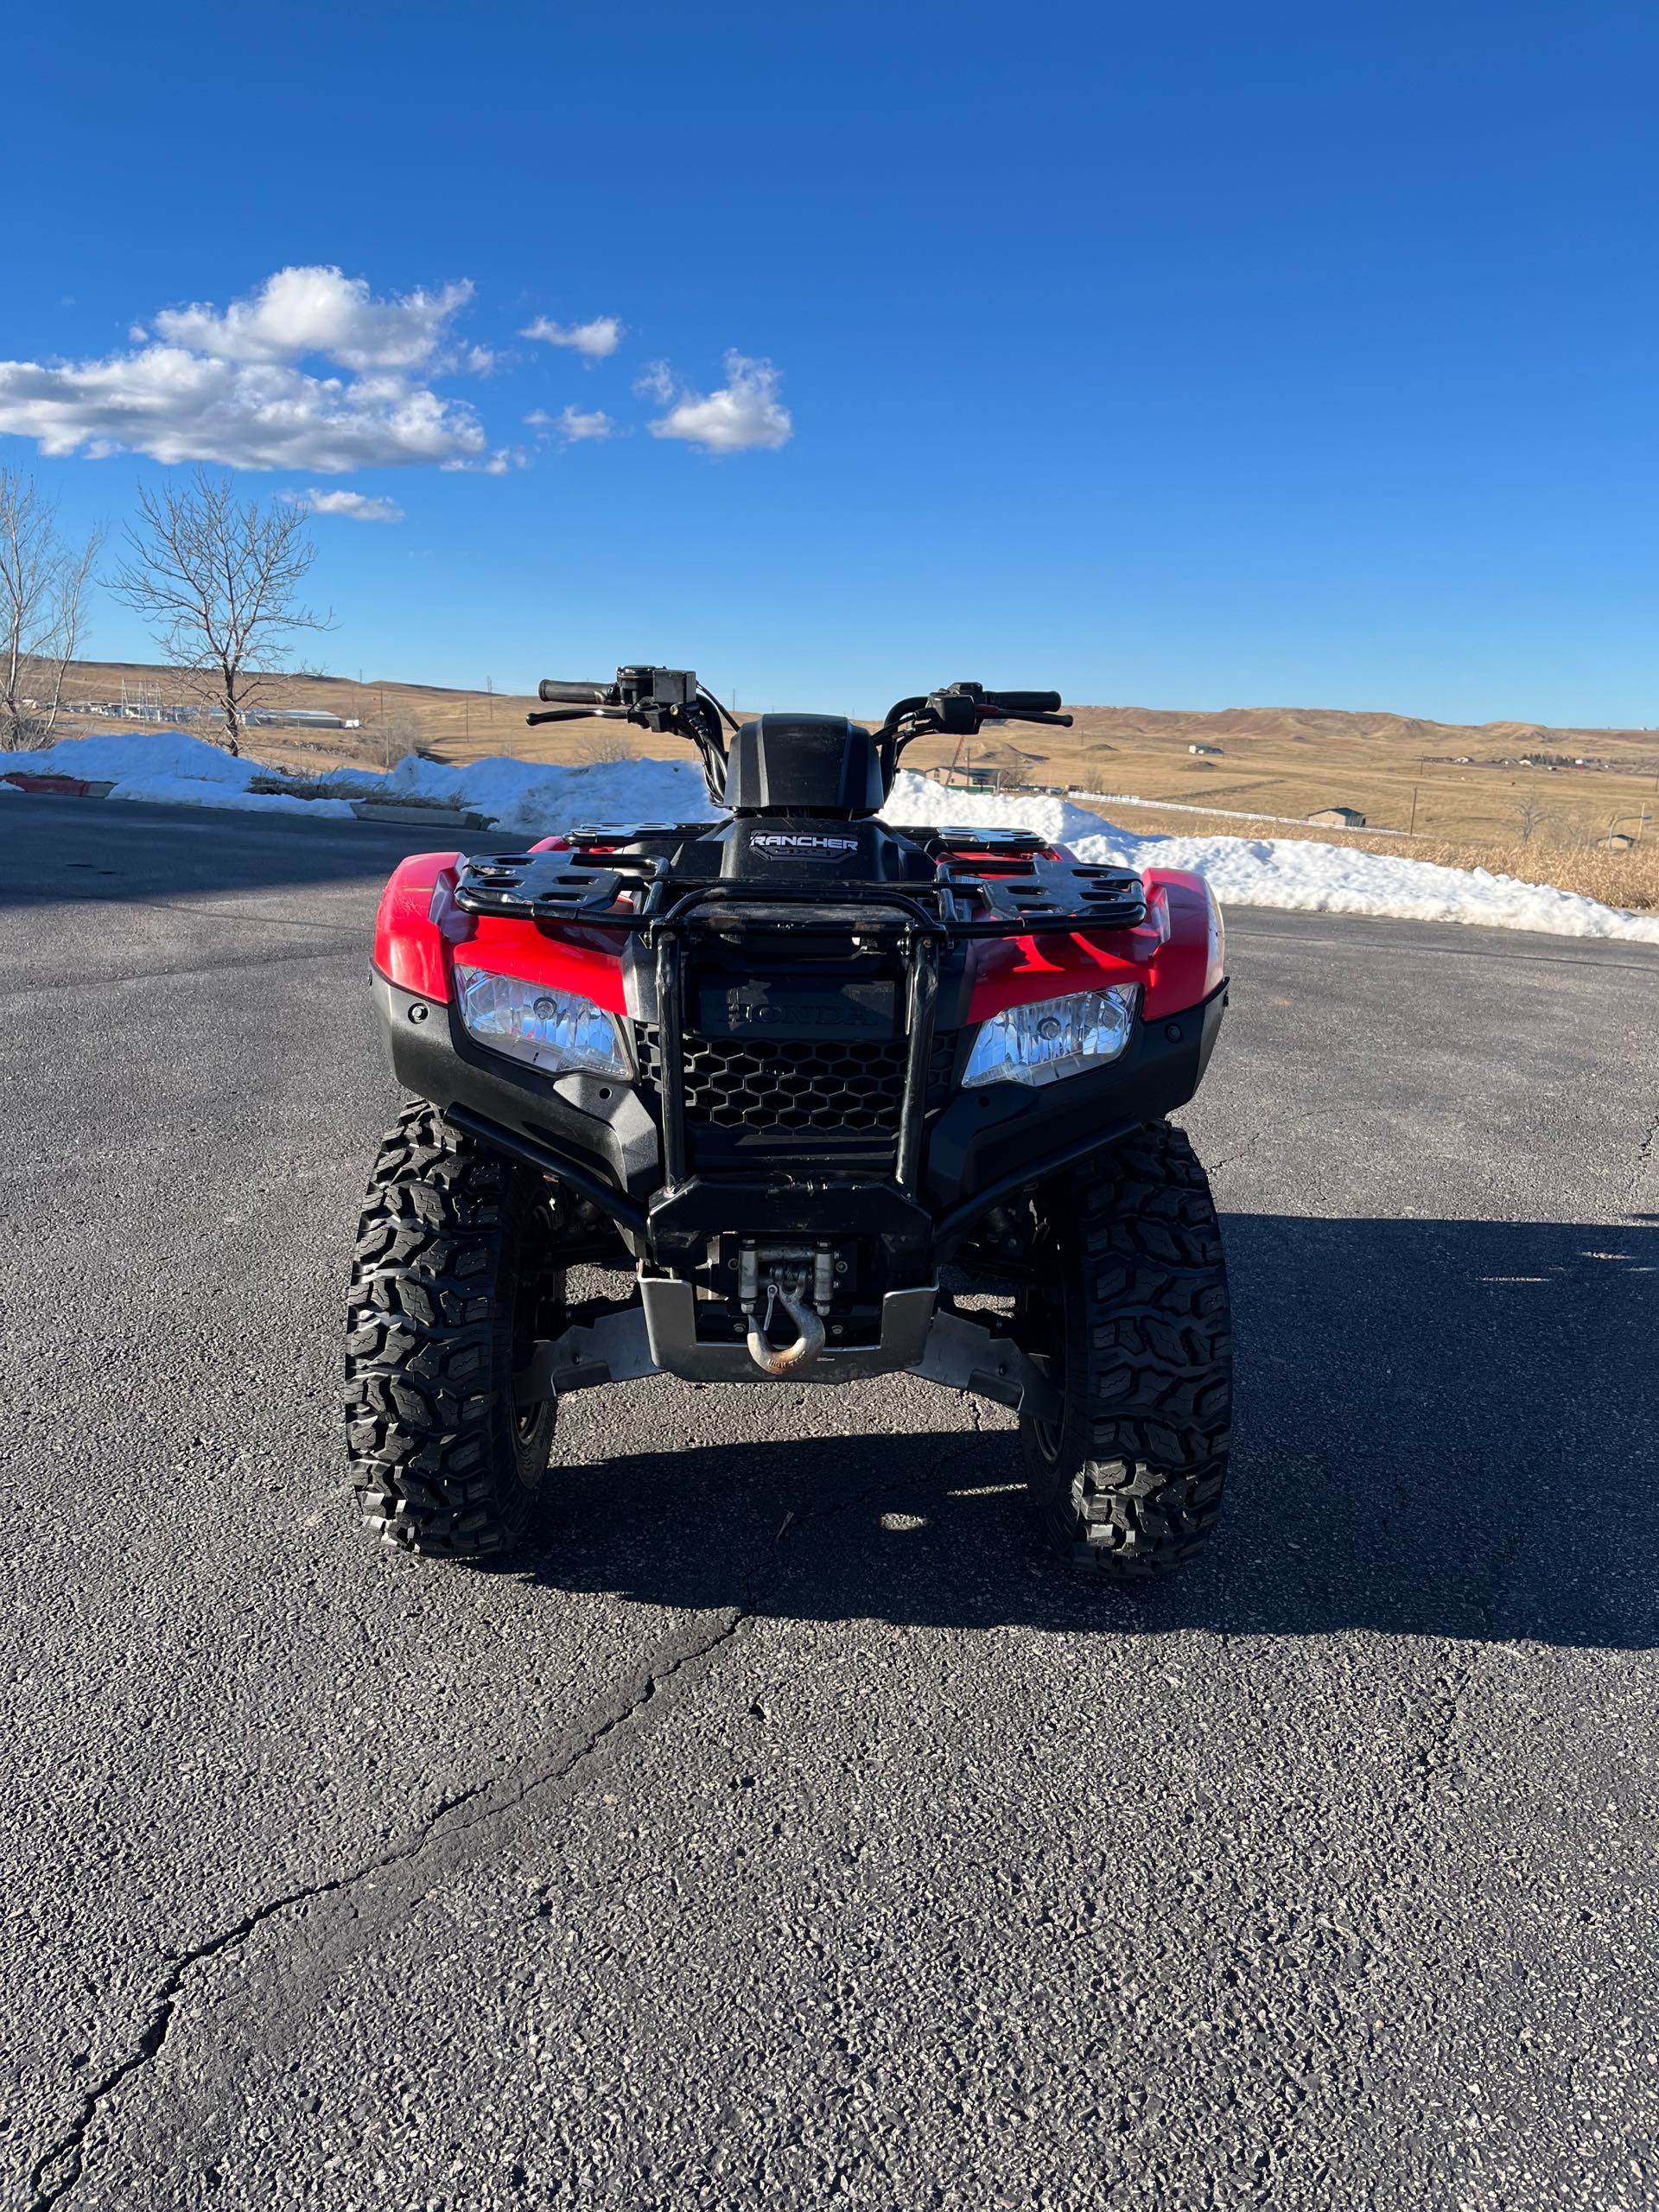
x=1095 y=1024
x=541 y=1026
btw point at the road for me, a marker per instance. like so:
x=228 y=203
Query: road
x=783 y=1830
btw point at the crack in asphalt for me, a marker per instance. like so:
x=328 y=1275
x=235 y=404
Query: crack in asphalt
x=1260 y=1136
x=63 y=2165
x=105 y=984
x=68 y=2152
x=259 y=917
x=1644 y=1151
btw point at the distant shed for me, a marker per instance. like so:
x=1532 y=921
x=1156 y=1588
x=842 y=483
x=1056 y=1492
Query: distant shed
x=1338 y=817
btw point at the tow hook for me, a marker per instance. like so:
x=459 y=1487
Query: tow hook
x=803 y=1284
x=808 y=1343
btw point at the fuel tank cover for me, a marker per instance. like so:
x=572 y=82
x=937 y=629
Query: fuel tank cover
x=803 y=848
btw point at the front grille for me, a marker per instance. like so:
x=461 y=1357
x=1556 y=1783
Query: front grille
x=816 y=1088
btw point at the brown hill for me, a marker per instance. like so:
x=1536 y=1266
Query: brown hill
x=1451 y=780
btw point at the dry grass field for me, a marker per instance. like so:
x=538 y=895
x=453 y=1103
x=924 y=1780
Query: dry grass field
x=1461 y=789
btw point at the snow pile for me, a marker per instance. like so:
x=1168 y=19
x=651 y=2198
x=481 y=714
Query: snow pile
x=529 y=798
x=524 y=798
x=1292 y=874
x=917 y=798
x=533 y=798
x=167 y=767
x=1296 y=874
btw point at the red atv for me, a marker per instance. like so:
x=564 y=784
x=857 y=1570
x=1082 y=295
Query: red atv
x=812 y=1080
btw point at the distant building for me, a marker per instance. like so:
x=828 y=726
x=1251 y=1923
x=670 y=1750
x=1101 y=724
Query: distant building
x=1338 y=817
x=1203 y=748
x=997 y=768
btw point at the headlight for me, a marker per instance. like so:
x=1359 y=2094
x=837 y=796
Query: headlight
x=550 y=1029
x=1053 y=1038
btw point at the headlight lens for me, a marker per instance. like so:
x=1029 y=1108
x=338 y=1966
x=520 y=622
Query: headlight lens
x=551 y=1029
x=1053 y=1038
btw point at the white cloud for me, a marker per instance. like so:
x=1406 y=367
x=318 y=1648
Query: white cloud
x=575 y=424
x=356 y=507
x=596 y=339
x=744 y=413
x=655 y=381
x=312 y=372
x=491 y=464
x=230 y=387
x=318 y=310
x=179 y=406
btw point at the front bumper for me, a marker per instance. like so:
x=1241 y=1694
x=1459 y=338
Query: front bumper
x=658 y=1336
x=598 y=1134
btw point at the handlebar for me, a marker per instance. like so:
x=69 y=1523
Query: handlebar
x=585 y=695
x=1025 y=703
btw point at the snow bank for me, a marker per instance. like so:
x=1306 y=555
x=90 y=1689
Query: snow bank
x=167 y=768
x=1292 y=874
x=529 y=798
x=532 y=799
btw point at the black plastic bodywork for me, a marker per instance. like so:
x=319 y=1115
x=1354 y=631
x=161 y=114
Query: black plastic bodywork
x=804 y=764
x=978 y=1144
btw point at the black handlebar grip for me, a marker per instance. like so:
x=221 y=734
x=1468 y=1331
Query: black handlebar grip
x=1025 y=702
x=584 y=694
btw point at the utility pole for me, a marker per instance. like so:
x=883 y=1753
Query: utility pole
x=1413 y=830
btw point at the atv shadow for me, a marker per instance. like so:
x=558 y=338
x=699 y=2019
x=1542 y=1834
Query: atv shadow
x=1444 y=1428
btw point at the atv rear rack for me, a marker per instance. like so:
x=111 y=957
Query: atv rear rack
x=984 y=886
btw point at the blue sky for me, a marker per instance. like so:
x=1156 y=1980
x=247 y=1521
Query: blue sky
x=1199 y=357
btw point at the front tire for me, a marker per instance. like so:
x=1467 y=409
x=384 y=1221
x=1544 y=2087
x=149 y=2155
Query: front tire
x=1132 y=1325
x=453 y=1277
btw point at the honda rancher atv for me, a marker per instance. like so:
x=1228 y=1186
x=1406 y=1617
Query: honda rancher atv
x=842 y=1099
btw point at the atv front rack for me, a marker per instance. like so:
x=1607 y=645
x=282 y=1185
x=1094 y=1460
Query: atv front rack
x=985 y=885
x=997 y=885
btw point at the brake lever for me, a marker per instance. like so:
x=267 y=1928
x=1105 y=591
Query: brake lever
x=1004 y=714
x=577 y=715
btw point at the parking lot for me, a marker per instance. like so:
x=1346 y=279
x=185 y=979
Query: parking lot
x=783 y=1828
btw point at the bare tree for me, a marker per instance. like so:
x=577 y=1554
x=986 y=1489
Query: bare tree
x=606 y=746
x=399 y=735
x=44 y=582
x=218 y=583
x=1529 y=815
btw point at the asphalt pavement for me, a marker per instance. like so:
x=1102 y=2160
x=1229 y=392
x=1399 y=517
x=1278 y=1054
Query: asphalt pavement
x=783 y=1830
